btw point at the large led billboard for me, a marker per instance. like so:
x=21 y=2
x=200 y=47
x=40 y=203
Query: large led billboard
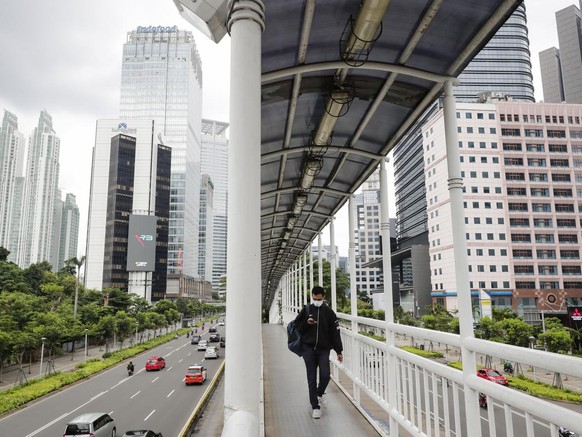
x=141 y=243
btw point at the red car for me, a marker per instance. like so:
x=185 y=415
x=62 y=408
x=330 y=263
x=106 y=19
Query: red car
x=493 y=375
x=195 y=375
x=155 y=363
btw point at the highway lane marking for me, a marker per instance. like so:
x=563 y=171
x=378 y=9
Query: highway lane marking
x=148 y=416
x=171 y=393
x=190 y=354
x=65 y=414
x=169 y=368
x=181 y=360
x=138 y=392
x=156 y=378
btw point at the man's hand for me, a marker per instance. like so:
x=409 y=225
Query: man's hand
x=311 y=321
x=340 y=358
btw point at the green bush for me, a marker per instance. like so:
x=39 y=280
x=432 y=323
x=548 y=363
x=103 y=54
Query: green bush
x=422 y=353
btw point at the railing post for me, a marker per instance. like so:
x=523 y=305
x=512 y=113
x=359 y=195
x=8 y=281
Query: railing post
x=242 y=395
x=460 y=257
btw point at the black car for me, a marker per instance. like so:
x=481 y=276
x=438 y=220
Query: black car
x=195 y=339
x=212 y=329
x=214 y=337
x=142 y=433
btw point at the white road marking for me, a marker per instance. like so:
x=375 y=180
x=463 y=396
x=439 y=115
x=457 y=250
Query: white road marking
x=169 y=368
x=138 y=392
x=181 y=360
x=148 y=416
x=65 y=414
x=171 y=393
x=156 y=378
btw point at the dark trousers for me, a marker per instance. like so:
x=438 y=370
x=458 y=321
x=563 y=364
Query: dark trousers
x=314 y=359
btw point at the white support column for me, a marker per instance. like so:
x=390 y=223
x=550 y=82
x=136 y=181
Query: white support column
x=352 y=258
x=320 y=260
x=333 y=264
x=294 y=285
x=353 y=294
x=305 y=278
x=242 y=384
x=460 y=257
x=388 y=292
x=311 y=284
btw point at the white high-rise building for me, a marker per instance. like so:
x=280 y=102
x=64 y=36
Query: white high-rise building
x=215 y=164
x=521 y=167
x=162 y=80
x=67 y=239
x=206 y=228
x=42 y=176
x=12 y=149
x=130 y=179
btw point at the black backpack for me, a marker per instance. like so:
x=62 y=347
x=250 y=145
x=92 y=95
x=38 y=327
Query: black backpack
x=294 y=338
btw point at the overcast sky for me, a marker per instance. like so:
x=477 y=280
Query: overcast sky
x=65 y=56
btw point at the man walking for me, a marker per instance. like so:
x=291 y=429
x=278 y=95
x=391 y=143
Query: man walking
x=319 y=329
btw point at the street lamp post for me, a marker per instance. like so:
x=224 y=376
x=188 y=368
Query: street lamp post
x=43 y=339
x=86 y=332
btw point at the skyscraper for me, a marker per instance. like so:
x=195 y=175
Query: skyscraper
x=503 y=65
x=42 y=176
x=12 y=148
x=205 y=235
x=130 y=178
x=215 y=164
x=69 y=231
x=162 y=80
x=562 y=69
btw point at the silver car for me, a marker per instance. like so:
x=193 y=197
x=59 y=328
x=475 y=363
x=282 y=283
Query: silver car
x=91 y=425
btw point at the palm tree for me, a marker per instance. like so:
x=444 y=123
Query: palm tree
x=76 y=262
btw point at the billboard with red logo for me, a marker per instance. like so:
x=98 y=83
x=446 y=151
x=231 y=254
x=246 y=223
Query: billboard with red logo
x=575 y=317
x=141 y=243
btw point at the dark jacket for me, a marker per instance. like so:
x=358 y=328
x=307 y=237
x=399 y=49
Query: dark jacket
x=325 y=334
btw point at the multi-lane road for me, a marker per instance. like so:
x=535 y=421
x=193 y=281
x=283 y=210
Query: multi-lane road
x=157 y=400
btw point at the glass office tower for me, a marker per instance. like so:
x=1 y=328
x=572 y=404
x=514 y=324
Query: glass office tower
x=161 y=79
x=215 y=164
x=503 y=65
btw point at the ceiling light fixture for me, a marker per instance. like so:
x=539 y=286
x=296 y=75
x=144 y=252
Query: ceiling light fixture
x=334 y=108
x=300 y=202
x=364 y=32
x=311 y=168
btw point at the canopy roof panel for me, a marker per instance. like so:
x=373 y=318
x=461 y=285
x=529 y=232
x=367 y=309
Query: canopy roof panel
x=342 y=82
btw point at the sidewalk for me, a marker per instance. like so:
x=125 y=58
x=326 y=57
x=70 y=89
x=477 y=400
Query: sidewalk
x=11 y=376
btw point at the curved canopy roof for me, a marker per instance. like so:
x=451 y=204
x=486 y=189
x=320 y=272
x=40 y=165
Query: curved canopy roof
x=342 y=82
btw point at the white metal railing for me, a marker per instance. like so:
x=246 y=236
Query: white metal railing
x=430 y=394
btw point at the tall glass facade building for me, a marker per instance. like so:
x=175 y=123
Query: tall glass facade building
x=503 y=65
x=215 y=164
x=162 y=80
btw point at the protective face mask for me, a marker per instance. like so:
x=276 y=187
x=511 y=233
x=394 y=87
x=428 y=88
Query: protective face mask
x=318 y=303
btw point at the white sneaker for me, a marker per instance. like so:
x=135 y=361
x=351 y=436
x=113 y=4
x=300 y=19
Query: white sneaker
x=316 y=414
x=322 y=402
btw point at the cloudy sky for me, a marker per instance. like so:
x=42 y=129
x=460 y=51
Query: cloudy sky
x=65 y=56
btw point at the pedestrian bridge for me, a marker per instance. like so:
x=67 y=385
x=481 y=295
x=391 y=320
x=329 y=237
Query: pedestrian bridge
x=321 y=92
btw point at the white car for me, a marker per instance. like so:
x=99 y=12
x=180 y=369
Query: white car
x=211 y=352
x=202 y=345
x=221 y=324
